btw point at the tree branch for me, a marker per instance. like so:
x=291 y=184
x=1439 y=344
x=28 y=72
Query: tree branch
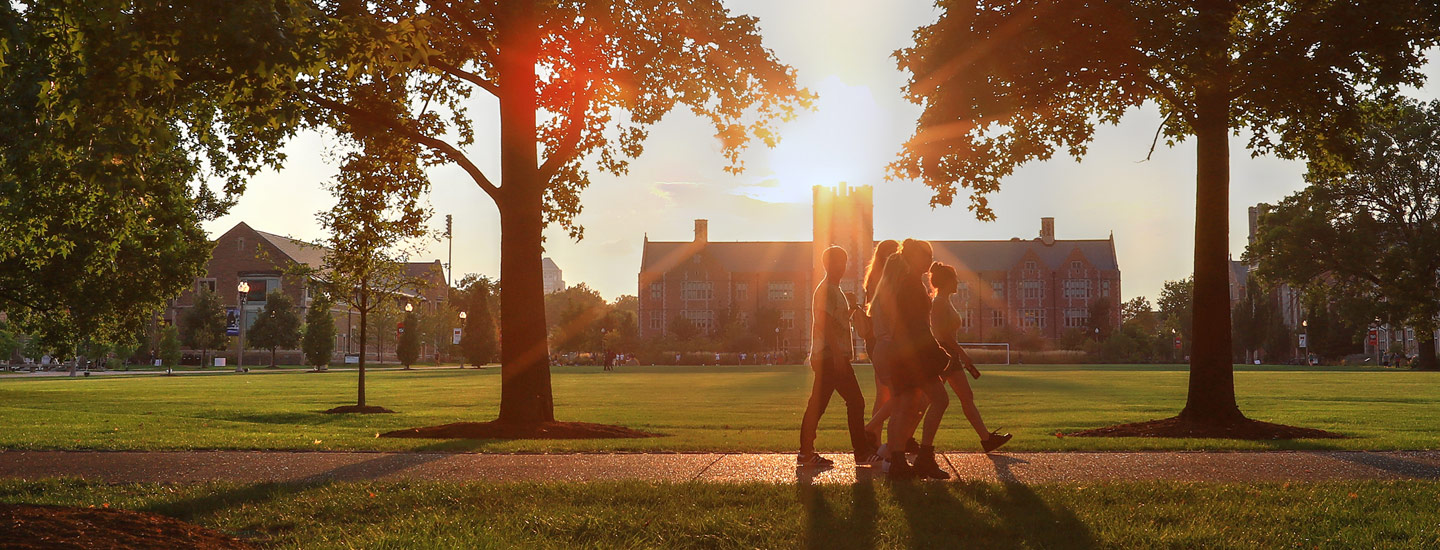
x=570 y=139
x=412 y=134
x=475 y=34
x=1156 y=140
x=462 y=74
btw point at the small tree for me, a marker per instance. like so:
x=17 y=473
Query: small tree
x=202 y=326
x=478 y=340
x=278 y=325
x=407 y=346
x=169 y=348
x=319 y=341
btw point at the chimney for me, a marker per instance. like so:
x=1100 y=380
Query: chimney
x=1047 y=231
x=702 y=231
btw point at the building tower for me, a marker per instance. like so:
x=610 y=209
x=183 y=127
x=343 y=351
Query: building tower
x=845 y=217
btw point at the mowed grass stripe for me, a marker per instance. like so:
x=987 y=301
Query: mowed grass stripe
x=698 y=408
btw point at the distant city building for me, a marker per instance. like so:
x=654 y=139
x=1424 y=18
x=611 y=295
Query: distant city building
x=1043 y=285
x=264 y=260
x=554 y=278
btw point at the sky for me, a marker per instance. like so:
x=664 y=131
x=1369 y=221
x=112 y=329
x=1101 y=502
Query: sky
x=841 y=49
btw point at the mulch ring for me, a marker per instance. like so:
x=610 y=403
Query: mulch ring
x=357 y=409
x=542 y=430
x=1253 y=430
x=27 y=527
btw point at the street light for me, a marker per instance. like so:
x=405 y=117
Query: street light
x=244 y=289
x=409 y=308
x=462 y=332
x=1305 y=339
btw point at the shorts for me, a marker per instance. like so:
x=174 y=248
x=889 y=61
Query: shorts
x=922 y=366
x=882 y=359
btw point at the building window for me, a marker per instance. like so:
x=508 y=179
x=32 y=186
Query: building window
x=1075 y=265
x=1077 y=318
x=657 y=291
x=781 y=291
x=207 y=284
x=1030 y=265
x=1032 y=290
x=787 y=320
x=257 y=290
x=997 y=318
x=1105 y=289
x=962 y=292
x=702 y=319
x=965 y=315
x=997 y=289
x=1077 y=288
x=1032 y=318
x=698 y=290
x=657 y=322
x=742 y=291
x=744 y=318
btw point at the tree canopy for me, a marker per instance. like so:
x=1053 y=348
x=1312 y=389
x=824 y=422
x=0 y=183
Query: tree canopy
x=1006 y=82
x=278 y=325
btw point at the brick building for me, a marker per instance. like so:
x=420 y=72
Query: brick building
x=1042 y=285
x=264 y=260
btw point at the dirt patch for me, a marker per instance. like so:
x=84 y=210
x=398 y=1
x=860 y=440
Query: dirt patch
x=32 y=527
x=1247 y=429
x=543 y=430
x=357 y=409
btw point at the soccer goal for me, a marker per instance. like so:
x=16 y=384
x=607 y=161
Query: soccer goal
x=987 y=352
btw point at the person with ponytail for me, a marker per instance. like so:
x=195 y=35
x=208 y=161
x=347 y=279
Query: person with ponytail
x=944 y=325
x=918 y=362
x=865 y=326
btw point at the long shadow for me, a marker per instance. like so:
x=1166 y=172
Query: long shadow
x=824 y=528
x=1389 y=463
x=984 y=515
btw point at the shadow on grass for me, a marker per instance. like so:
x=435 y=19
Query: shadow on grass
x=940 y=515
x=1390 y=463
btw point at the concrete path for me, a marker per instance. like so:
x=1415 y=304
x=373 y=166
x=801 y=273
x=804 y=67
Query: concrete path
x=279 y=466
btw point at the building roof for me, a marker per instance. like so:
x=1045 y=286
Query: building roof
x=547 y=263
x=312 y=255
x=660 y=256
x=1004 y=255
x=740 y=257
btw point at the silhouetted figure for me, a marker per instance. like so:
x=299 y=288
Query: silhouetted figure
x=830 y=354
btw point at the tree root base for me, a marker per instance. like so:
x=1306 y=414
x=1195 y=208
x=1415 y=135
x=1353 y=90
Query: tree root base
x=64 y=527
x=1246 y=429
x=514 y=430
x=357 y=409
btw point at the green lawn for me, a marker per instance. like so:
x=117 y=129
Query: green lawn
x=698 y=408
x=864 y=515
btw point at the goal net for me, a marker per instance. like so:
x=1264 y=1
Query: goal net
x=988 y=353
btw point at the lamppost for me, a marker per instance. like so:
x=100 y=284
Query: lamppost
x=244 y=289
x=1305 y=339
x=462 y=336
x=778 y=351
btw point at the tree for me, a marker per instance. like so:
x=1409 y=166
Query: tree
x=575 y=314
x=377 y=213
x=277 y=327
x=115 y=111
x=577 y=81
x=478 y=340
x=1176 y=304
x=1005 y=82
x=407 y=346
x=169 y=348
x=1368 y=225
x=319 y=340
x=1252 y=320
x=202 y=326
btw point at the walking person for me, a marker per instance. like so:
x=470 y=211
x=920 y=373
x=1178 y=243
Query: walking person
x=865 y=325
x=944 y=325
x=915 y=380
x=830 y=354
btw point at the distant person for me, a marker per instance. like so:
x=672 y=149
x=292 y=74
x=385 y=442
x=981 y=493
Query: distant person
x=830 y=354
x=919 y=360
x=944 y=325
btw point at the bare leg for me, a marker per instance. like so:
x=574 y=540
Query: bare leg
x=900 y=427
x=961 y=385
x=935 y=392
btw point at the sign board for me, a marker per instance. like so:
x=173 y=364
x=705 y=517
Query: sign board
x=1302 y=340
x=455 y=337
x=157 y=362
x=352 y=359
x=219 y=361
x=232 y=321
x=1177 y=343
x=1374 y=337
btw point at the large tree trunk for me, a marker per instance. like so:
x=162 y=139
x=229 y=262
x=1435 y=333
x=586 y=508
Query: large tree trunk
x=1211 y=398
x=1425 y=355
x=524 y=356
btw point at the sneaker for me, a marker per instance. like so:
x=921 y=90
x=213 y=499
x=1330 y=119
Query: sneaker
x=899 y=470
x=925 y=465
x=912 y=447
x=812 y=459
x=995 y=440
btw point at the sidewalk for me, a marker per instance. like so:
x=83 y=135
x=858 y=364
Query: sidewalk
x=281 y=466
